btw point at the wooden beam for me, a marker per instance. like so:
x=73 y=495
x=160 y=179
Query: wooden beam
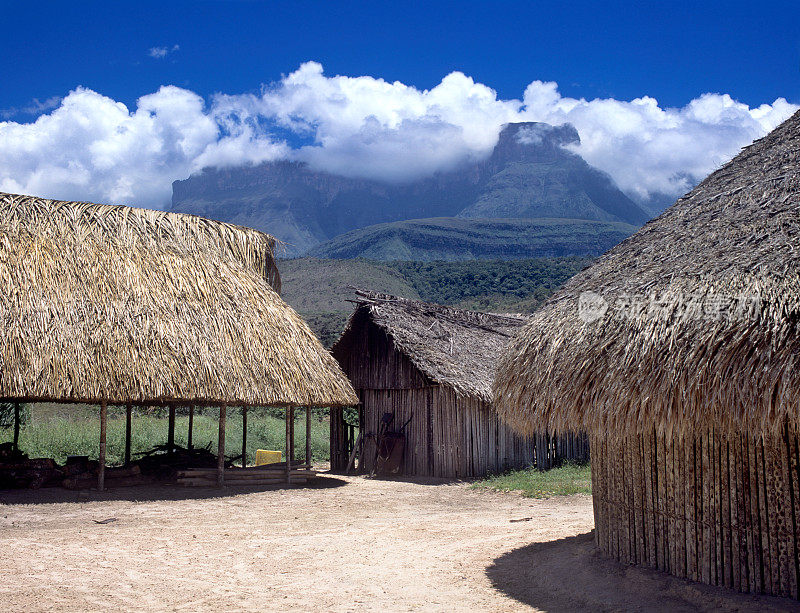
x=244 y=437
x=101 y=474
x=128 y=431
x=334 y=438
x=291 y=433
x=288 y=447
x=16 y=426
x=191 y=426
x=308 y=436
x=351 y=463
x=171 y=430
x=221 y=448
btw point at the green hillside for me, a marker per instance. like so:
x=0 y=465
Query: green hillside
x=456 y=239
x=320 y=289
x=490 y=285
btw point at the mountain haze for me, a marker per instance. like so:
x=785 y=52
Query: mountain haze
x=531 y=173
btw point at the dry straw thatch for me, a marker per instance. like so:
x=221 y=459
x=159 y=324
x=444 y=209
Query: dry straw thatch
x=123 y=305
x=701 y=326
x=450 y=346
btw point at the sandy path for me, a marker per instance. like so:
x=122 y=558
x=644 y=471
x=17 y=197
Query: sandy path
x=363 y=544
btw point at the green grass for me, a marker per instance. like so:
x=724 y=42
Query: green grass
x=78 y=433
x=533 y=483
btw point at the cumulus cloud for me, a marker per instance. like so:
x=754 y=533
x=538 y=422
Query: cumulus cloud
x=92 y=147
x=648 y=149
x=160 y=52
x=368 y=127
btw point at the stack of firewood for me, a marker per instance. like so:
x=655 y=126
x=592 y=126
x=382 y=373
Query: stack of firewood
x=164 y=463
x=268 y=474
x=121 y=476
x=17 y=470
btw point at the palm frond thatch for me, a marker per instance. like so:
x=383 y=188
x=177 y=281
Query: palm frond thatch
x=701 y=326
x=126 y=305
x=450 y=346
x=143 y=226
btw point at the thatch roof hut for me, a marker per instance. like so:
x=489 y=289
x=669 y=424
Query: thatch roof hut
x=431 y=366
x=117 y=305
x=679 y=352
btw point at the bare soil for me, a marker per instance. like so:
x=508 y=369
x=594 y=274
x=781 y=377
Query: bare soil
x=345 y=544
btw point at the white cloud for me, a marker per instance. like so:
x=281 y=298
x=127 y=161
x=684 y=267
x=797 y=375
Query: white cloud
x=161 y=52
x=364 y=126
x=92 y=147
x=649 y=149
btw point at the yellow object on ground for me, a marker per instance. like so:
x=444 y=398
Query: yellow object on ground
x=263 y=456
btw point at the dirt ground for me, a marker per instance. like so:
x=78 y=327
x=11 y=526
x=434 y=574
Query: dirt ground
x=345 y=544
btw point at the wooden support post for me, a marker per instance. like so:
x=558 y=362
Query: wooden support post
x=16 y=426
x=244 y=437
x=101 y=474
x=171 y=430
x=288 y=447
x=335 y=432
x=221 y=448
x=191 y=426
x=308 y=436
x=128 y=431
x=291 y=433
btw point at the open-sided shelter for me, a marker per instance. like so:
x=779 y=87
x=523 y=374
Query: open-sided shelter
x=431 y=367
x=117 y=305
x=679 y=352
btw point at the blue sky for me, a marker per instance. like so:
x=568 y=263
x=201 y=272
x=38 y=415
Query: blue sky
x=229 y=53
x=672 y=51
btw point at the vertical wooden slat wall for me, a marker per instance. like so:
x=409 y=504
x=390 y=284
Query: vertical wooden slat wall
x=452 y=437
x=719 y=509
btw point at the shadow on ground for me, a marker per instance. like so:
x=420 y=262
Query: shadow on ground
x=154 y=492
x=408 y=478
x=570 y=574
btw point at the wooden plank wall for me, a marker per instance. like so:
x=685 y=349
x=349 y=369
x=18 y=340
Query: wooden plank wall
x=458 y=437
x=711 y=508
x=370 y=359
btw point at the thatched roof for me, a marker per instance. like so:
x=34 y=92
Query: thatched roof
x=253 y=248
x=449 y=346
x=692 y=321
x=130 y=305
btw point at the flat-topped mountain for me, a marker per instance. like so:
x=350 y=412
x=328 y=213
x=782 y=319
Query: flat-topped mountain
x=531 y=173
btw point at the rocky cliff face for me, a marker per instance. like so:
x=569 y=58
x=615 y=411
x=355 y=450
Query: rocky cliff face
x=529 y=174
